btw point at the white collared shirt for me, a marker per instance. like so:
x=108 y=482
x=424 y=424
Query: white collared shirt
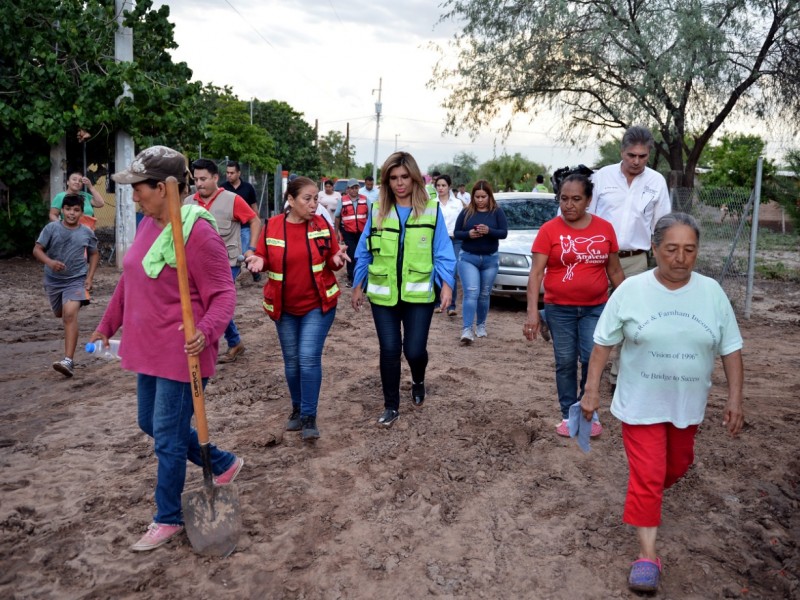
x=450 y=212
x=632 y=210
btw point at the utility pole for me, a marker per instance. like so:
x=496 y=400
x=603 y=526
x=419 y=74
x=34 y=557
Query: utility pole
x=347 y=152
x=396 y=135
x=123 y=155
x=378 y=107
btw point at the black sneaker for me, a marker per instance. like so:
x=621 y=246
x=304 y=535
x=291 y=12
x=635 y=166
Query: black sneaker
x=310 y=431
x=418 y=393
x=294 y=423
x=388 y=417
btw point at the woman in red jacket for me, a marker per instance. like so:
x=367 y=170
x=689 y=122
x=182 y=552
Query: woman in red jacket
x=299 y=252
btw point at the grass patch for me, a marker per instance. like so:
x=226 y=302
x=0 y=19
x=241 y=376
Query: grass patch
x=778 y=272
x=770 y=240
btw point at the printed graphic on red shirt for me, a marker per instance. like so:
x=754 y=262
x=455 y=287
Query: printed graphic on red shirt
x=576 y=261
x=590 y=250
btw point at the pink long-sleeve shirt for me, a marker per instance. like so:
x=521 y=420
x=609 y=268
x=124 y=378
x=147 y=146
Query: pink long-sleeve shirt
x=149 y=310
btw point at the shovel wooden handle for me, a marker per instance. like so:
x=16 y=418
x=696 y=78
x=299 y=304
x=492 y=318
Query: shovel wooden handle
x=195 y=378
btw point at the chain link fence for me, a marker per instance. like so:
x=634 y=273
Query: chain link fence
x=725 y=218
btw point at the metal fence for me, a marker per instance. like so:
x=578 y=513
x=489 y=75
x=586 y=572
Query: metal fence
x=725 y=218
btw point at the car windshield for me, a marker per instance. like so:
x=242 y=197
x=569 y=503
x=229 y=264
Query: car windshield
x=528 y=213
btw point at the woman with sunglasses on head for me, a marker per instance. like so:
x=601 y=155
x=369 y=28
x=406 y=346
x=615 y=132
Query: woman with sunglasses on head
x=404 y=251
x=300 y=253
x=451 y=208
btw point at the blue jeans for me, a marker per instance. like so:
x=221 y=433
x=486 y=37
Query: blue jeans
x=302 y=340
x=477 y=272
x=572 y=329
x=231 y=332
x=438 y=290
x=415 y=320
x=165 y=414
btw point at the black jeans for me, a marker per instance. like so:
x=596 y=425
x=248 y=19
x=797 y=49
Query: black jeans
x=351 y=240
x=415 y=320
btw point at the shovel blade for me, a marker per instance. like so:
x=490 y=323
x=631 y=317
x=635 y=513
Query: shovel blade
x=212 y=519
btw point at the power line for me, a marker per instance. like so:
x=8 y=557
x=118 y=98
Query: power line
x=336 y=13
x=258 y=33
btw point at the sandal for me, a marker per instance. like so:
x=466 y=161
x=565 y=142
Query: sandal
x=645 y=575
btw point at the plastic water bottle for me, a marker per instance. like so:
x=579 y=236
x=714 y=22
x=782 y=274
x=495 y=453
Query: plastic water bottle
x=99 y=349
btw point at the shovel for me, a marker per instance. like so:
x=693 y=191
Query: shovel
x=211 y=514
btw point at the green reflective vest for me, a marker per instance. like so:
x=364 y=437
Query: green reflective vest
x=413 y=268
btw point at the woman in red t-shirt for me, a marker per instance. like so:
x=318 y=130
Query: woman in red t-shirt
x=577 y=254
x=299 y=251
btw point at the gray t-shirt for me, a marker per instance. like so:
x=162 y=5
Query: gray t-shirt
x=70 y=246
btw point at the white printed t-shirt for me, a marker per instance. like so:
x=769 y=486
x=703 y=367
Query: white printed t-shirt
x=670 y=340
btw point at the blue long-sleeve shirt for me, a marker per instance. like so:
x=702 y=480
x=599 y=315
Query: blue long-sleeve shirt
x=444 y=261
x=486 y=244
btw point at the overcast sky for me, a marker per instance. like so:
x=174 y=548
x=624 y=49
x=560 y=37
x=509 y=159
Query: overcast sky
x=325 y=58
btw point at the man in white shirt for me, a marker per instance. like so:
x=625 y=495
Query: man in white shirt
x=463 y=194
x=369 y=190
x=632 y=197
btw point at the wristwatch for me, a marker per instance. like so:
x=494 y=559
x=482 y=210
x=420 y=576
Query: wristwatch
x=251 y=249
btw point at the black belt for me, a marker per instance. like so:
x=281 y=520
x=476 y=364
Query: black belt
x=627 y=253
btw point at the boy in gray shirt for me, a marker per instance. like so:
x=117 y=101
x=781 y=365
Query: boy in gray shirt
x=63 y=247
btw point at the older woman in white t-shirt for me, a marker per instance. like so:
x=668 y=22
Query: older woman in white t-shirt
x=672 y=324
x=451 y=208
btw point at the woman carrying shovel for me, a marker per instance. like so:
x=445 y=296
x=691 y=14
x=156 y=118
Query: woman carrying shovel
x=147 y=305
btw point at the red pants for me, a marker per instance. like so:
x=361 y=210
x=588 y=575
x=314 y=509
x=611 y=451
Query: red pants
x=658 y=456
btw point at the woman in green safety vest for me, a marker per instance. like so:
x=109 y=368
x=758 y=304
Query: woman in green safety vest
x=403 y=251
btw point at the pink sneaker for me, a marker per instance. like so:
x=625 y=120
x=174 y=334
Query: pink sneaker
x=229 y=475
x=563 y=429
x=597 y=429
x=157 y=535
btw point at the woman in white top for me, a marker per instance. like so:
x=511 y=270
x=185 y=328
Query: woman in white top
x=329 y=199
x=451 y=208
x=672 y=323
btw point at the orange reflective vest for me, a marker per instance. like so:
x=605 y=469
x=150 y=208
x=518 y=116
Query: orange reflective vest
x=354 y=215
x=318 y=241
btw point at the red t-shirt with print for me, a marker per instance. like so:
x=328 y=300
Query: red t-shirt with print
x=576 y=261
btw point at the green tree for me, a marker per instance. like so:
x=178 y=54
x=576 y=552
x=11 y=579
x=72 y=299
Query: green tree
x=231 y=134
x=507 y=173
x=58 y=75
x=462 y=170
x=337 y=159
x=680 y=67
x=366 y=170
x=733 y=161
x=295 y=141
x=787 y=188
x=609 y=153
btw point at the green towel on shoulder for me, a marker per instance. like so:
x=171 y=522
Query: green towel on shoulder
x=162 y=252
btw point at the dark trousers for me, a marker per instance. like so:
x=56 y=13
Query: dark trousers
x=351 y=240
x=415 y=321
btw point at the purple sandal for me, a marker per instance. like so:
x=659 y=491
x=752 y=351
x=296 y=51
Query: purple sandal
x=645 y=575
